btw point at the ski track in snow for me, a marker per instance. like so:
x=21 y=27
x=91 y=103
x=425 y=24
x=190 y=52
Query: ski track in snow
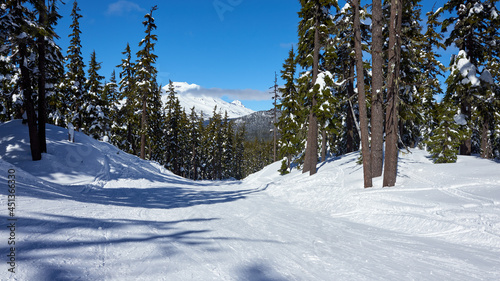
x=107 y=215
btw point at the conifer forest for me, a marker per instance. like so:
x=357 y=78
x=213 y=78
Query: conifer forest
x=365 y=76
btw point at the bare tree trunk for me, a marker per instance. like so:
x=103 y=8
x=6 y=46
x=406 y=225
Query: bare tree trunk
x=485 y=141
x=311 y=157
x=466 y=146
x=391 y=142
x=41 y=78
x=323 y=145
x=377 y=117
x=36 y=153
x=143 y=128
x=350 y=117
x=363 y=115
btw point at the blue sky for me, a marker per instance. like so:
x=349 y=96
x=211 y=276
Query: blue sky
x=230 y=46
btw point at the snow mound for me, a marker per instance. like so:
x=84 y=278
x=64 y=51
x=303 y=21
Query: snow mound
x=84 y=163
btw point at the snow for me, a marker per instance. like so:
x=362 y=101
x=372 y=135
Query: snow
x=486 y=77
x=466 y=69
x=204 y=103
x=88 y=211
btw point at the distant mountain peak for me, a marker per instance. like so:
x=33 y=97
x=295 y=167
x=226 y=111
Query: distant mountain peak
x=190 y=95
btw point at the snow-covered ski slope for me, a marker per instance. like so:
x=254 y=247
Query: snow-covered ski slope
x=88 y=211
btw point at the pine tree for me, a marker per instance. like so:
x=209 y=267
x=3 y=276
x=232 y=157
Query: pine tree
x=74 y=87
x=126 y=125
x=313 y=31
x=111 y=95
x=146 y=74
x=22 y=32
x=446 y=137
x=93 y=105
x=412 y=64
x=228 y=148
x=473 y=26
x=54 y=70
x=292 y=117
x=431 y=69
x=173 y=112
x=194 y=142
x=6 y=65
x=239 y=153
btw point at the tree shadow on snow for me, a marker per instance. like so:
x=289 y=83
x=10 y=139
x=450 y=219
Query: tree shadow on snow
x=168 y=197
x=259 y=272
x=59 y=247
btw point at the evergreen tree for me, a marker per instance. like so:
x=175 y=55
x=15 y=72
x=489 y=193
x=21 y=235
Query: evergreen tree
x=313 y=32
x=146 y=74
x=74 y=86
x=93 y=102
x=173 y=115
x=227 y=148
x=431 y=69
x=155 y=126
x=111 y=96
x=22 y=30
x=446 y=137
x=292 y=113
x=239 y=153
x=474 y=26
x=194 y=141
x=126 y=125
x=214 y=150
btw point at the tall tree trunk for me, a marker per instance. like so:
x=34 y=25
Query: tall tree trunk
x=323 y=145
x=377 y=117
x=41 y=78
x=391 y=142
x=311 y=157
x=29 y=106
x=466 y=146
x=363 y=115
x=143 y=127
x=485 y=140
x=350 y=142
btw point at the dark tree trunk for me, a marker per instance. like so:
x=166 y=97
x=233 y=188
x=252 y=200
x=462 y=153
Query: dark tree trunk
x=143 y=127
x=350 y=142
x=363 y=115
x=466 y=146
x=323 y=145
x=377 y=117
x=391 y=142
x=29 y=106
x=41 y=79
x=311 y=157
x=485 y=140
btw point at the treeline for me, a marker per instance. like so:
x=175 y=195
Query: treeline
x=41 y=85
x=369 y=76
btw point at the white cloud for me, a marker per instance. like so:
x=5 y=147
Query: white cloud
x=123 y=7
x=233 y=94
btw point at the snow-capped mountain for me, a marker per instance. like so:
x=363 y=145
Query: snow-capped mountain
x=190 y=95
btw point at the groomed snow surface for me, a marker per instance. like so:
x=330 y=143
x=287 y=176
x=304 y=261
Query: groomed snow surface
x=88 y=211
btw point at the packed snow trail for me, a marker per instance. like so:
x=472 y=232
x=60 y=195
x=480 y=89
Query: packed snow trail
x=128 y=219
